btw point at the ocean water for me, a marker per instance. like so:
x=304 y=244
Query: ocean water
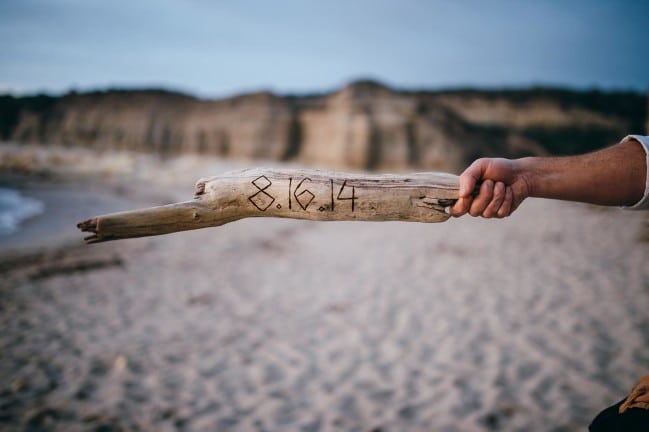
x=15 y=208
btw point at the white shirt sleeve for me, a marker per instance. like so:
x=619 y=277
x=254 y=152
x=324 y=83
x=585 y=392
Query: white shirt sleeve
x=643 y=204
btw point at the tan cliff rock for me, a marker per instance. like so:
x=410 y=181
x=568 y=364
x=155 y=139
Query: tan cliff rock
x=364 y=125
x=251 y=126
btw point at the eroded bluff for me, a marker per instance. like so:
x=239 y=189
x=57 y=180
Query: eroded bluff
x=364 y=125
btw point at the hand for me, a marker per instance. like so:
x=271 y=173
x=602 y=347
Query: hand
x=503 y=188
x=639 y=397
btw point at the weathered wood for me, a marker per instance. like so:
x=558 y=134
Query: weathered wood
x=298 y=194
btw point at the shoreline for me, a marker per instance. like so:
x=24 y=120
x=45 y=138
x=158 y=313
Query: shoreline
x=534 y=322
x=66 y=202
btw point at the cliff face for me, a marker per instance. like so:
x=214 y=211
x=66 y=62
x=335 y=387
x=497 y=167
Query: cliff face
x=364 y=125
x=252 y=126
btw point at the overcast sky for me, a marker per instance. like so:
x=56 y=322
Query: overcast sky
x=217 y=48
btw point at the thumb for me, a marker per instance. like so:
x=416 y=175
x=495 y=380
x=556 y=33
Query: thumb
x=470 y=177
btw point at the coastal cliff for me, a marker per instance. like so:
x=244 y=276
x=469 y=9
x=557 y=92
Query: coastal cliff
x=363 y=125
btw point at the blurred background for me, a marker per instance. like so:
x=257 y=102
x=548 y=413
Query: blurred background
x=536 y=322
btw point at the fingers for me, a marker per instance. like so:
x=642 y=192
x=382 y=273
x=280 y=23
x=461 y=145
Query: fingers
x=506 y=207
x=639 y=396
x=499 y=192
x=494 y=198
x=630 y=399
x=461 y=207
x=483 y=199
x=493 y=201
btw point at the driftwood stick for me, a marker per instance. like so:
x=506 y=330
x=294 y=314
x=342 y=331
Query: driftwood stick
x=297 y=194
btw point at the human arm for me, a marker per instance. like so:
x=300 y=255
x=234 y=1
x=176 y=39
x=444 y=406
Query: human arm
x=613 y=176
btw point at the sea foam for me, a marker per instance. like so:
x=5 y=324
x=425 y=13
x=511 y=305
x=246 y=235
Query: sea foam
x=15 y=208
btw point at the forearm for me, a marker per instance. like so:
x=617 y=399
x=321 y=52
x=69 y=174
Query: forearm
x=613 y=176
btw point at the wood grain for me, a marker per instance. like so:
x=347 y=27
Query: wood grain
x=288 y=193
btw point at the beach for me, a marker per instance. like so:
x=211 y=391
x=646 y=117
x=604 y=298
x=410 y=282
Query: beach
x=535 y=322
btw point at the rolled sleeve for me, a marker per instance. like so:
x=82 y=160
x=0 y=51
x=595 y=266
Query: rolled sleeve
x=643 y=204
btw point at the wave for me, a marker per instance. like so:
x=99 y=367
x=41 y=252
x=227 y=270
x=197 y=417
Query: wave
x=15 y=208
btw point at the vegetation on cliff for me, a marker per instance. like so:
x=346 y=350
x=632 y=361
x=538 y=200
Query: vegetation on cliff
x=363 y=125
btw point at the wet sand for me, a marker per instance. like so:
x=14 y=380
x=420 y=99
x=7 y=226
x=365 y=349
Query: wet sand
x=536 y=322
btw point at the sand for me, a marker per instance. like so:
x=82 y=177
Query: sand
x=536 y=322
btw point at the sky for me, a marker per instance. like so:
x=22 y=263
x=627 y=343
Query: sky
x=223 y=47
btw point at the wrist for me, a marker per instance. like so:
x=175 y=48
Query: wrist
x=523 y=168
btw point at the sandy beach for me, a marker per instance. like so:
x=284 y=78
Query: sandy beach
x=536 y=322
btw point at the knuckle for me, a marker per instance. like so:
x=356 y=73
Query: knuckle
x=476 y=163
